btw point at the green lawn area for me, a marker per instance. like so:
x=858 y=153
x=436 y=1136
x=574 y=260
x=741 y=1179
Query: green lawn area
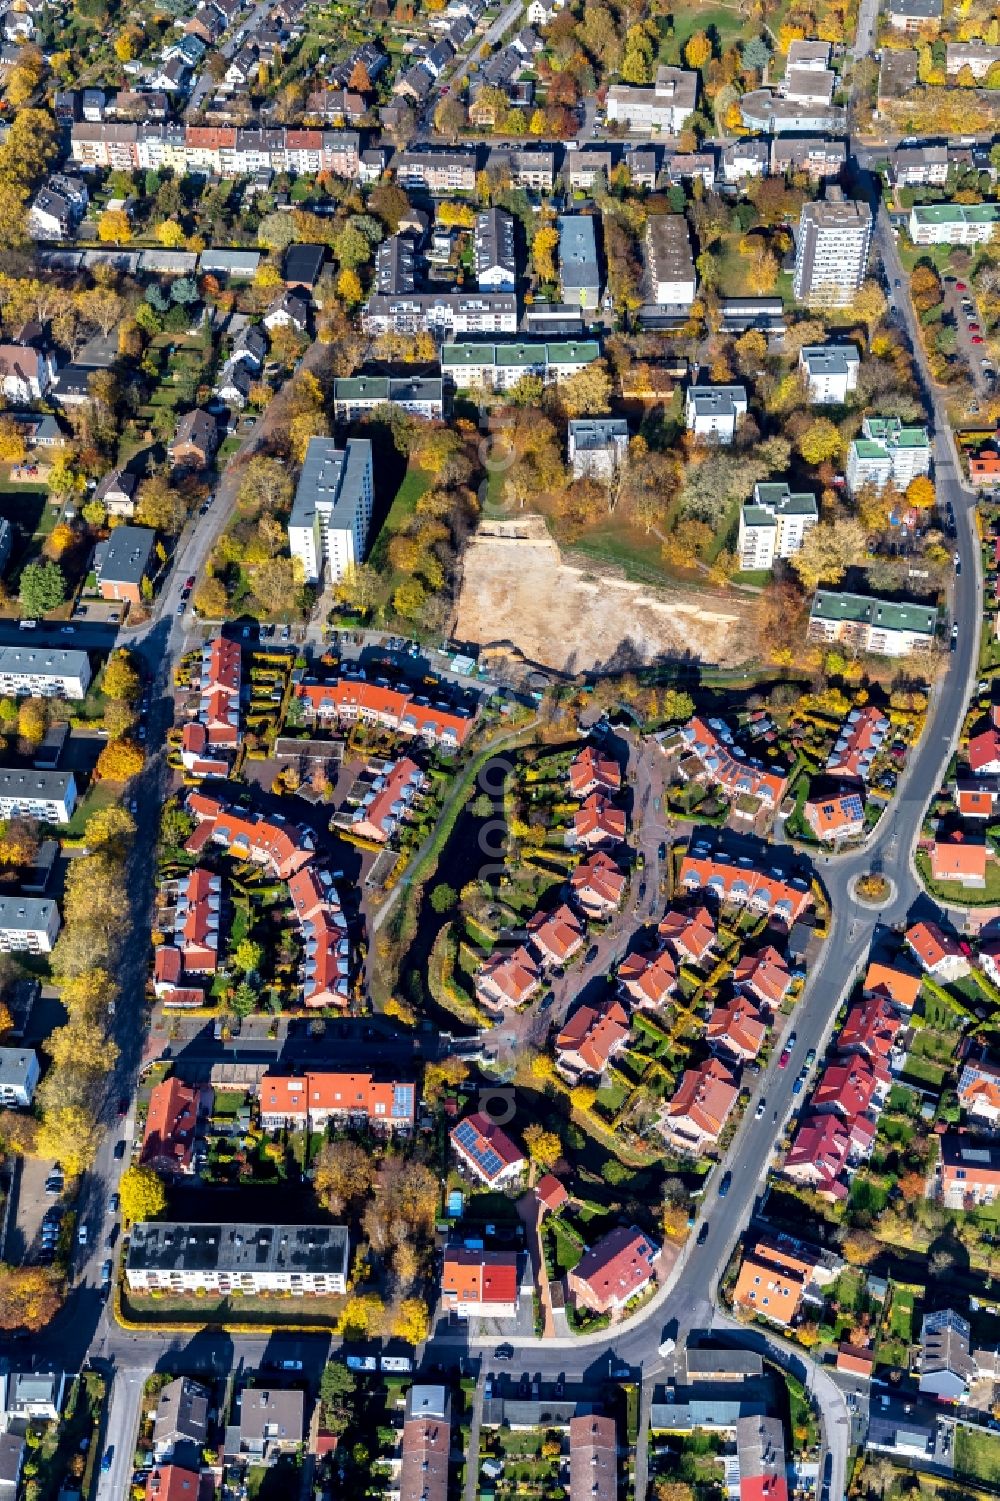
x=228 y=1103
x=925 y=1071
x=275 y=1482
x=726 y=21
x=900 y=1320
x=567 y=1252
x=415 y=483
x=197 y=1312
x=98 y=795
x=977 y=1455
x=629 y=548
x=954 y=891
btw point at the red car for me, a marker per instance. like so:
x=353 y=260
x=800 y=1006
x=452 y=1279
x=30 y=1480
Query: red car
x=973 y=328
x=783 y=1060
x=190 y=582
x=960 y=286
x=977 y=338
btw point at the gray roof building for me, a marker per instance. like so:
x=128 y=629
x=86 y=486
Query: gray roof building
x=395 y=265
x=27 y=914
x=236 y=263
x=12 y=1451
x=167 y=1246
x=493 y=250
x=181 y=1417
x=578 y=268
x=270 y=1423
x=123 y=558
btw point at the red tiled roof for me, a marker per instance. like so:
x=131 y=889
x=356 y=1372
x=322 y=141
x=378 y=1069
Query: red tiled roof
x=959 y=858
x=738 y=1026
x=765 y=974
x=598 y=878
x=171 y=1118
x=737 y=775
x=594 y=1034
x=557 y=934
x=731 y=881
x=618 y=1266
x=984 y=751
x=479 y=1276
x=486 y=1137
x=350 y=698
x=871 y=1028
x=704 y=1096
x=172 y=1483
x=550 y=1192
x=599 y=821
x=897 y=985
x=931 y=945
x=515 y=975
x=590 y=770
x=693 y=933
x=648 y=978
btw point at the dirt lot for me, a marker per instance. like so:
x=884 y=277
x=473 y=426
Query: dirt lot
x=517 y=588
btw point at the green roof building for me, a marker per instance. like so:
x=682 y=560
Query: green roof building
x=867 y=624
x=954 y=223
x=498 y=367
x=774 y=525
x=886 y=450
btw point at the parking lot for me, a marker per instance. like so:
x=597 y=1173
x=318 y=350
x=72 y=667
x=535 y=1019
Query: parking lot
x=28 y=1208
x=960 y=303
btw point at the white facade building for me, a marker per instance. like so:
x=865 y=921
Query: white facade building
x=43 y=672
x=712 y=412
x=248 y=1259
x=886 y=450
x=831 y=372
x=832 y=251
x=663 y=108
x=774 y=525
x=47 y=795
x=19 y=1073
x=328 y=527
x=596 y=446
x=28 y=924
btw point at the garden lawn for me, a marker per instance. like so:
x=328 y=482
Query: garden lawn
x=98 y=795
x=977 y=1455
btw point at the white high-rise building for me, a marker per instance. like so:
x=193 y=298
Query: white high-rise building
x=328 y=527
x=832 y=255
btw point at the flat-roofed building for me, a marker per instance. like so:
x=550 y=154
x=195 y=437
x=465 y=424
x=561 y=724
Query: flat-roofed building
x=247 y=1259
x=358 y=395
x=596 y=446
x=47 y=795
x=499 y=367
x=954 y=223
x=43 y=672
x=832 y=253
x=887 y=450
x=332 y=511
x=774 y=525
x=669 y=263
x=579 y=273
x=830 y=371
x=872 y=625
x=712 y=412
x=28 y=925
x=662 y=109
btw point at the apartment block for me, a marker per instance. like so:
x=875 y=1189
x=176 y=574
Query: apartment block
x=670 y=269
x=332 y=511
x=28 y=925
x=774 y=525
x=954 y=223
x=47 y=795
x=886 y=450
x=499 y=367
x=832 y=254
x=249 y=1259
x=871 y=625
x=43 y=672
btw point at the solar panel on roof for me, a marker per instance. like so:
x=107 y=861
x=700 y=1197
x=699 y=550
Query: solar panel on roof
x=465 y=1135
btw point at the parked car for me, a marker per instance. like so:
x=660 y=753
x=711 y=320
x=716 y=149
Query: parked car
x=82 y=1235
x=783 y=1060
x=109 y=1455
x=724 y=1183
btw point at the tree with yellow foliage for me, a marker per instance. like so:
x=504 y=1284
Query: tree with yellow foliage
x=143 y=1195
x=362 y=1316
x=170 y=234
x=114 y=227
x=544 y=1147
x=30 y=1296
x=411 y=1321
x=543 y=252
x=12 y=445
x=920 y=492
x=59 y=541
x=698 y=50
x=349 y=287
x=119 y=760
x=67 y=1136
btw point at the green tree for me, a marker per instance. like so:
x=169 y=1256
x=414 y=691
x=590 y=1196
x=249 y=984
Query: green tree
x=42 y=588
x=248 y=955
x=443 y=897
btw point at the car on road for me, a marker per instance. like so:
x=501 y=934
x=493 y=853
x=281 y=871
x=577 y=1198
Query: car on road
x=27 y=625
x=189 y=582
x=69 y=630
x=703 y=1233
x=810 y=1057
x=974 y=328
x=54 y=1183
x=761 y=1107
x=106 y=1269
x=180 y=608
x=783 y=1060
x=791 y=1040
x=642 y=891
x=591 y=954
x=960 y=286
x=954 y=636
x=797 y=1085
x=82 y=1235
x=122 y=1109
x=976 y=339
x=503 y=1352
x=289 y=1365
x=724 y=1183
x=119 y=1149
x=957 y=560
x=109 y=1455
x=114 y=1203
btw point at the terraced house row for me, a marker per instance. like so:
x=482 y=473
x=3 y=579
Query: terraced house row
x=224 y=150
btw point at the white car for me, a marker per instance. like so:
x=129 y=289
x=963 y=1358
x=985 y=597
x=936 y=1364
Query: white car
x=81 y=1235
